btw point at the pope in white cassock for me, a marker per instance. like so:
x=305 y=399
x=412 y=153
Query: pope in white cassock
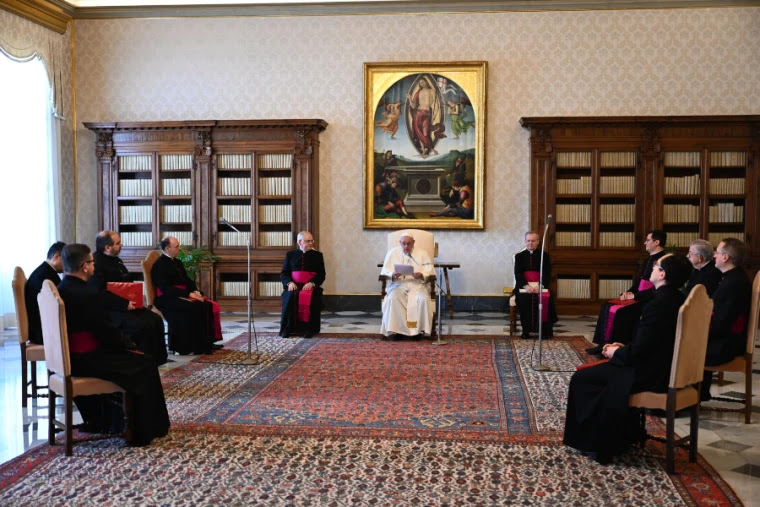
x=407 y=309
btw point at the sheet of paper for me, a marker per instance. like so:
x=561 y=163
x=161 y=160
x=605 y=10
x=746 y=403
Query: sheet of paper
x=404 y=269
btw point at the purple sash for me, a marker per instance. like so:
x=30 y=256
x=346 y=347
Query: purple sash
x=304 y=296
x=643 y=285
x=534 y=276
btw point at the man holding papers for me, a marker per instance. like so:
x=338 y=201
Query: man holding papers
x=406 y=309
x=527 y=270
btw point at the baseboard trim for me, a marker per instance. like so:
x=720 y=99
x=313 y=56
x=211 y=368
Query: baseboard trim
x=367 y=303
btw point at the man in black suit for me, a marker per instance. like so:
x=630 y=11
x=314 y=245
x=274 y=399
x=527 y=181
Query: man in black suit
x=527 y=268
x=192 y=329
x=705 y=273
x=97 y=349
x=617 y=323
x=732 y=299
x=48 y=270
x=140 y=325
x=302 y=275
x=598 y=417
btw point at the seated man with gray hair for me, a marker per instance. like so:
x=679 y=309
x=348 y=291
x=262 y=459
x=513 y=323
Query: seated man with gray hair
x=705 y=273
x=406 y=309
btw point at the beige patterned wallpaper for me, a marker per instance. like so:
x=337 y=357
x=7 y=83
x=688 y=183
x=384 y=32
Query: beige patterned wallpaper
x=22 y=38
x=628 y=62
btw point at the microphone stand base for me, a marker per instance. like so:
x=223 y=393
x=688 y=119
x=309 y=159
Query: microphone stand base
x=542 y=367
x=440 y=342
x=250 y=361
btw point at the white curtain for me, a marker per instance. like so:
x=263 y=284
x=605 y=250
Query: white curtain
x=30 y=167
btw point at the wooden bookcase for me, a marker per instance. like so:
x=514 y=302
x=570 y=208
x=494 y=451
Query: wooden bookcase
x=609 y=180
x=181 y=178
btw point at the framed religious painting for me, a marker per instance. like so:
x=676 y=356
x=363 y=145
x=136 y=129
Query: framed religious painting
x=424 y=145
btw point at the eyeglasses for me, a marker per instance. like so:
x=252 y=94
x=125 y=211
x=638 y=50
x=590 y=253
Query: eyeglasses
x=87 y=262
x=660 y=267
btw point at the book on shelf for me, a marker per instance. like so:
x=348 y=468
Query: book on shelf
x=617 y=213
x=716 y=237
x=275 y=238
x=573 y=213
x=727 y=186
x=680 y=213
x=176 y=162
x=135 y=162
x=234 y=186
x=681 y=239
x=683 y=159
x=726 y=213
x=177 y=213
x=616 y=239
x=275 y=213
x=136 y=188
x=568 y=238
x=270 y=288
x=233 y=161
x=612 y=159
x=728 y=159
x=235 y=212
x=610 y=288
x=579 y=185
x=136 y=214
x=281 y=185
x=129 y=238
x=175 y=186
x=617 y=184
x=275 y=161
x=574 y=288
x=682 y=185
x=185 y=238
x=574 y=159
x=235 y=289
x=232 y=238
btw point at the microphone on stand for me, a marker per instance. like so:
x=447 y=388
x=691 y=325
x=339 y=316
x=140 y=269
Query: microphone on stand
x=540 y=366
x=225 y=222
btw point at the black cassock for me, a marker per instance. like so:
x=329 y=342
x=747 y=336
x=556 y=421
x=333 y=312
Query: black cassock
x=708 y=275
x=135 y=373
x=191 y=323
x=296 y=260
x=527 y=304
x=140 y=325
x=626 y=318
x=598 y=418
x=32 y=289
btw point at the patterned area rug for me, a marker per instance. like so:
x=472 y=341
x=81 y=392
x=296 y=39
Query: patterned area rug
x=361 y=421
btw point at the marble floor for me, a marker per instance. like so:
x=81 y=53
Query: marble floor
x=729 y=445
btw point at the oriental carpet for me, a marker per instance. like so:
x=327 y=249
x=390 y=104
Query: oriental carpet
x=360 y=421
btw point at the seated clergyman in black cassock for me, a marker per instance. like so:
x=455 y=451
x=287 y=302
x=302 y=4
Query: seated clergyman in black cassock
x=48 y=270
x=140 y=325
x=732 y=300
x=302 y=276
x=598 y=417
x=705 y=273
x=97 y=349
x=527 y=272
x=617 y=322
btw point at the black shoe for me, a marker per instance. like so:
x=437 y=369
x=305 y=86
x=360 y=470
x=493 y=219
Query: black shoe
x=416 y=337
x=284 y=334
x=218 y=346
x=525 y=336
x=308 y=334
x=603 y=459
x=595 y=351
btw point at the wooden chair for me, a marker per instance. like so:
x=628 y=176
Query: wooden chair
x=147 y=266
x=511 y=293
x=423 y=240
x=61 y=382
x=30 y=352
x=686 y=373
x=742 y=363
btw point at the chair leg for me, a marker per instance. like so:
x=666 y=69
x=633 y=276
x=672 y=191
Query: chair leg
x=747 y=390
x=51 y=417
x=33 y=365
x=68 y=401
x=512 y=320
x=643 y=427
x=694 y=432
x=670 y=432
x=127 y=402
x=23 y=375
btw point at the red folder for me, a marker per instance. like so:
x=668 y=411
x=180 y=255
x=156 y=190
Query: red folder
x=589 y=365
x=128 y=290
x=622 y=302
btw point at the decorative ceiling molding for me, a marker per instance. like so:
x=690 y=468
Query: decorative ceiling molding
x=41 y=12
x=327 y=8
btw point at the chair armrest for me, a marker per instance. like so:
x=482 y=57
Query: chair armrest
x=383 y=279
x=431 y=280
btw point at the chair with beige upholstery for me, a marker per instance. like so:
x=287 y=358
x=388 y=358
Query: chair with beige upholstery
x=426 y=241
x=61 y=382
x=30 y=352
x=147 y=266
x=742 y=363
x=686 y=373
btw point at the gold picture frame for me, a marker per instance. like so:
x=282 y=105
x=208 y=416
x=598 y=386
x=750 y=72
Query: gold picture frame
x=424 y=145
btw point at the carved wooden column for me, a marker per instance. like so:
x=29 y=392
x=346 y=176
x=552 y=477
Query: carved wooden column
x=202 y=166
x=107 y=198
x=306 y=181
x=541 y=189
x=651 y=172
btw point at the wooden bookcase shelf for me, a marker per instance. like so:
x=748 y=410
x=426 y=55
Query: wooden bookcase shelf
x=609 y=180
x=181 y=178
